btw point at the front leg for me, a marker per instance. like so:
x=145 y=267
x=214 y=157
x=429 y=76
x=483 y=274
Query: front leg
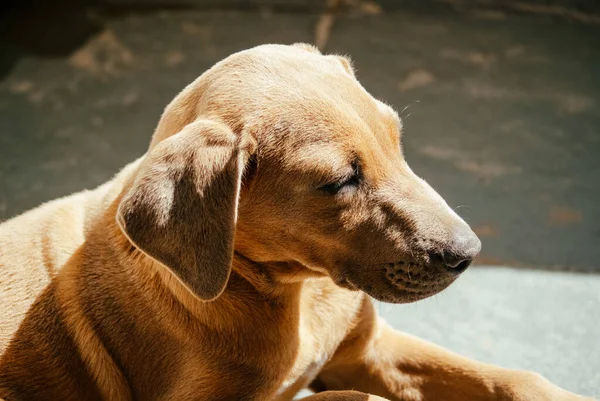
x=343 y=396
x=377 y=359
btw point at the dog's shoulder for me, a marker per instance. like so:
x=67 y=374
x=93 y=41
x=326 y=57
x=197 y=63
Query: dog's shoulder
x=35 y=245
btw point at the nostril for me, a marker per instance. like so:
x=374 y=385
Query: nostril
x=453 y=263
x=456 y=264
x=461 y=266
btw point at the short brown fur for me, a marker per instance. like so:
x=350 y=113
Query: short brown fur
x=234 y=259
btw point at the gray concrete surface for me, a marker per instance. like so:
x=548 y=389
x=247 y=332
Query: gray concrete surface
x=501 y=115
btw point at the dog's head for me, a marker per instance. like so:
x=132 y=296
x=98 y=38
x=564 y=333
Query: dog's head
x=279 y=153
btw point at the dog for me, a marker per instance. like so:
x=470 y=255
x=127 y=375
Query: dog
x=237 y=259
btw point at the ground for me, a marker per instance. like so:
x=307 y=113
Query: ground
x=501 y=113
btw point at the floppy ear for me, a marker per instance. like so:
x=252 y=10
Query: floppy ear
x=182 y=207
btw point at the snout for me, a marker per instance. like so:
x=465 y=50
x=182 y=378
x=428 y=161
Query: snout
x=436 y=252
x=457 y=255
x=412 y=244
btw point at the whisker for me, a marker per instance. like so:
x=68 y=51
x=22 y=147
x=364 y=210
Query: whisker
x=408 y=105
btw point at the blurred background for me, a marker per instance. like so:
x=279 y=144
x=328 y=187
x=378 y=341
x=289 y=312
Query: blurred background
x=501 y=109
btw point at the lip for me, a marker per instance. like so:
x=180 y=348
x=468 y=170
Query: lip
x=392 y=293
x=396 y=287
x=344 y=282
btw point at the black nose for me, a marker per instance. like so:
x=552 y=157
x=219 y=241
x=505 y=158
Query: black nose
x=455 y=263
x=462 y=249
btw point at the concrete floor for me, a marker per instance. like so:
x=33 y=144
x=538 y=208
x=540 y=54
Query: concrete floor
x=501 y=115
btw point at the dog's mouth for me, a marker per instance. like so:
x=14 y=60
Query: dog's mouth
x=396 y=282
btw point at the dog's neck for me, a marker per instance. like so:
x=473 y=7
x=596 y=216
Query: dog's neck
x=271 y=279
x=263 y=286
x=272 y=283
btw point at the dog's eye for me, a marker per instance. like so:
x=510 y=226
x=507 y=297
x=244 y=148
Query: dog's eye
x=350 y=181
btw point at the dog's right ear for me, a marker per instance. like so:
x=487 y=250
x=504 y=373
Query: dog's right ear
x=182 y=207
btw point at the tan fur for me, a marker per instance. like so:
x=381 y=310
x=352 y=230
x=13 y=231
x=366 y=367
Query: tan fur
x=231 y=261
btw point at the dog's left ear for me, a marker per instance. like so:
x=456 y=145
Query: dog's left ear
x=182 y=207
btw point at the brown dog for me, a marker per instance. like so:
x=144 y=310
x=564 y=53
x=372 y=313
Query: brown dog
x=231 y=262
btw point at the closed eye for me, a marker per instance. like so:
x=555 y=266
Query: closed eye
x=352 y=180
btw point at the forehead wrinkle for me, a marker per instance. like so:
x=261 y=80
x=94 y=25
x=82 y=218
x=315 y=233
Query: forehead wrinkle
x=379 y=131
x=376 y=116
x=358 y=98
x=309 y=120
x=321 y=158
x=380 y=147
x=365 y=132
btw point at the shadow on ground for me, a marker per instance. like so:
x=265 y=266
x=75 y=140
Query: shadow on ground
x=501 y=110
